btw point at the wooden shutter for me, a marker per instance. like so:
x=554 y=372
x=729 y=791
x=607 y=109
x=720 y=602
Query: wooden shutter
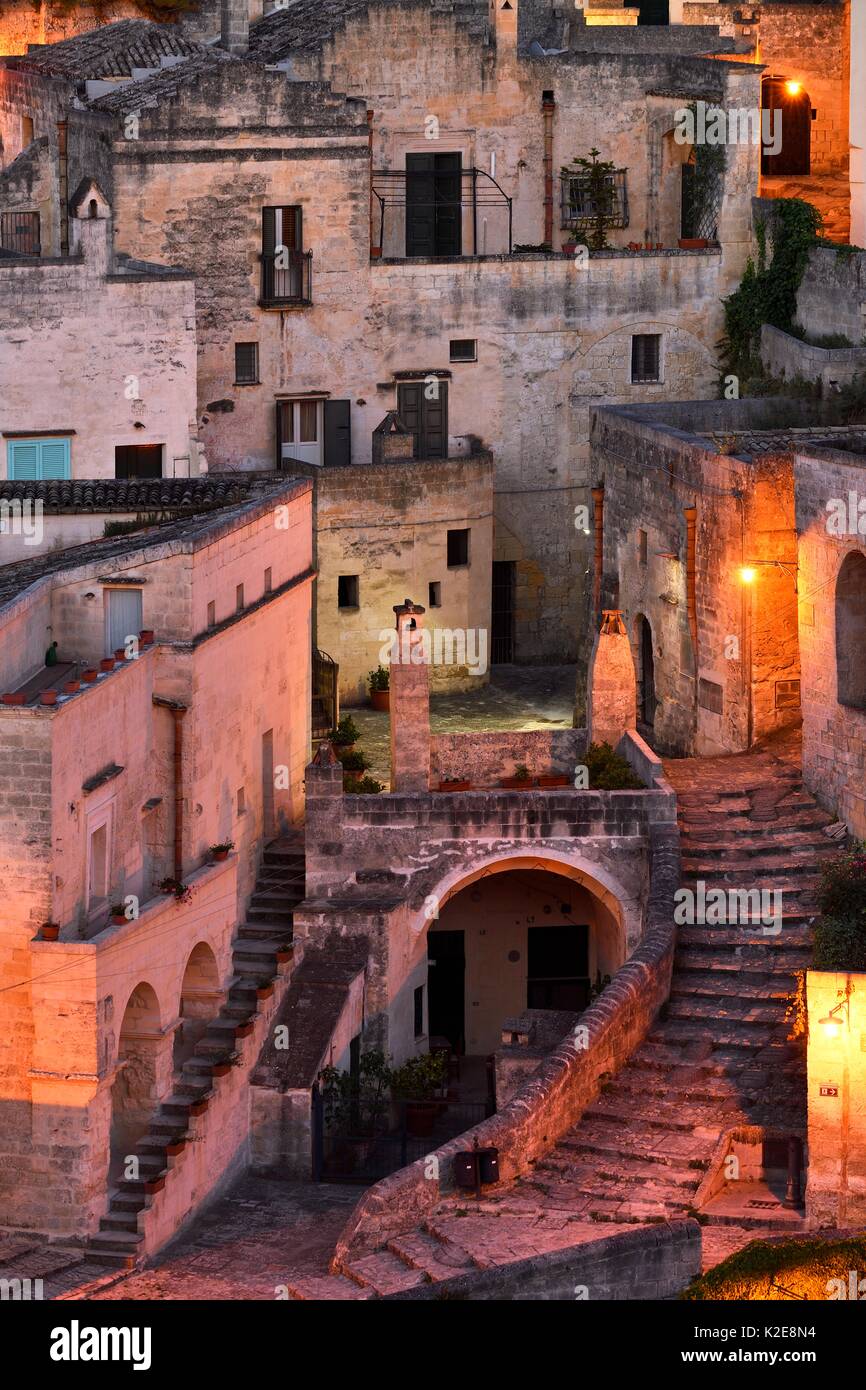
x=24 y=460
x=54 y=462
x=338 y=437
x=420 y=205
x=409 y=410
x=448 y=210
x=434 y=434
x=32 y=459
x=269 y=236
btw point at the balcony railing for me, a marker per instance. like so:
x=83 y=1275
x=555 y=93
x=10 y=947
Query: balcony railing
x=456 y=212
x=582 y=207
x=287 y=278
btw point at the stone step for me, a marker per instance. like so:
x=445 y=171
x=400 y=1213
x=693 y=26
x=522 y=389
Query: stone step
x=650 y=1146
x=269 y=916
x=748 y=963
x=120 y=1221
x=756 y=985
x=804 y=828
x=795 y=933
x=279 y=932
x=562 y=1165
x=329 y=1288
x=115 y=1243
x=677 y=1116
x=434 y=1258
x=722 y=1035
x=384 y=1273
x=594 y=1190
x=744 y=1013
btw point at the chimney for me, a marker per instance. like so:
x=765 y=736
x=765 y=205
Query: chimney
x=235 y=26
x=503 y=18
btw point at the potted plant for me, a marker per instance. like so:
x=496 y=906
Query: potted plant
x=118 y=914
x=244 y=1029
x=145 y=637
x=693 y=243
x=569 y=248
x=120 y=653
x=176 y=1146
x=379 y=683
x=107 y=663
x=454 y=784
x=415 y=1084
x=265 y=991
x=72 y=687
x=13 y=698
x=346 y=734
x=48 y=697
x=219 y=853
x=284 y=954
x=49 y=931
x=177 y=888
x=221 y=1068
x=89 y=676
x=198 y=1107
x=553 y=779
x=353 y=760
x=362 y=786
x=521 y=779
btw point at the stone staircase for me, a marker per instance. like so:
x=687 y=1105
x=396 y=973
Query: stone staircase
x=263 y=942
x=718 y=1057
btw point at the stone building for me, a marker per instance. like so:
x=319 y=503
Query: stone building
x=111 y=343
x=732 y=541
x=465 y=335
x=172 y=716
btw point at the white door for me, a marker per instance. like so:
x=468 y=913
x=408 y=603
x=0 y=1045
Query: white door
x=122 y=617
x=302 y=431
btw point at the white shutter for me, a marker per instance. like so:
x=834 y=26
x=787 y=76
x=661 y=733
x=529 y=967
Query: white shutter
x=123 y=617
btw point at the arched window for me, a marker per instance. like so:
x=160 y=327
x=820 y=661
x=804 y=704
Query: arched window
x=789 y=103
x=851 y=631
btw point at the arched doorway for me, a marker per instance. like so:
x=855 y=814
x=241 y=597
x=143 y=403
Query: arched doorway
x=514 y=939
x=851 y=631
x=142 y=1077
x=645 y=665
x=790 y=145
x=200 y=1001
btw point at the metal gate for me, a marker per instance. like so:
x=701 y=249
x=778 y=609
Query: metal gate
x=325 y=709
x=502 y=612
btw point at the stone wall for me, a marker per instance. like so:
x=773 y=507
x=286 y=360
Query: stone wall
x=834 y=735
x=486 y=757
x=649 y=1262
x=564 y=1085
x=836 y=1180
x=832 y=294
x=386 y=524
x=788 y=358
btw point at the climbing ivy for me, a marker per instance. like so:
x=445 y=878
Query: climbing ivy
x=767 y=292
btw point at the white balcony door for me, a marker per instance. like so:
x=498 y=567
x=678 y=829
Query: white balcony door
x=122 y=617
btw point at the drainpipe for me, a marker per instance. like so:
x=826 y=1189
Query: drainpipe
x=63 y=186
x=691 y=600
x=598 y=517
x=548 y=106
x=373 y=242
x=177 y=715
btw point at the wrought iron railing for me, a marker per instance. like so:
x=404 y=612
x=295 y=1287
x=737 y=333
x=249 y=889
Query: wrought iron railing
x=287 y=277
x=581 y=207
x=477 y=209
x=19 y=232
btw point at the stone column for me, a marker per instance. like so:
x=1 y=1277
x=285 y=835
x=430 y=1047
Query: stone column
x=410 y=702
x=612 y=683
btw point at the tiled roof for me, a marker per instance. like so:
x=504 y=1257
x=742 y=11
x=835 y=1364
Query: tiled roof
x=136 y=495
x=163 y=85
x=112 y=50
x=752 y=443
x=306 y=24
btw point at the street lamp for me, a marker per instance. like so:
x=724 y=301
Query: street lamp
x=747 y=574
x=831 y=1023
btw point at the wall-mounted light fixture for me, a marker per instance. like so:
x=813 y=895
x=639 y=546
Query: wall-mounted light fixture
x=832 y=1022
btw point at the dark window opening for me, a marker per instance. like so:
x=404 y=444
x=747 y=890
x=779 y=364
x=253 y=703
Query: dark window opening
x=645 y=357
x=418 y=1011
x=19 y=232
x=851 y=631
x=463 y=350
x=557 y=967
x=286 y=267
x=502 y=611
x=434 y=594
x=268 y=581
x=423 y=408
x=138 y=461
x=458 y=548
x=348 y=592
x=642 y=546
x=239 y=598
x=211 y=614
x=246 y=364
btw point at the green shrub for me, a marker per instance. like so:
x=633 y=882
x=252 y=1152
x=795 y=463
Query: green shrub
x=355 y=761
x=363 y=786
x=608 y=771
x=762 y=1271
x=840 y=932
x=380 y=679
x=346 y=732
x=419 y=1077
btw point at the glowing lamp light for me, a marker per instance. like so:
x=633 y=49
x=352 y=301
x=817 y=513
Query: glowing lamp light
x=831 y=1023
x=793 y=88
x=747 y=575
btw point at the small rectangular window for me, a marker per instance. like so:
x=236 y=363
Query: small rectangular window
x=138 y=461
x=348 y=591
x=458 y=548
x=246 y=364
x=239 y=598
x=418 y=1011
x=463 y=350
x=19 y=231
x=242 y=800
x=645 y=356
x=268 y=581
x=434 y=594
x=26 y=131
x=211 y=615
x=641 y=546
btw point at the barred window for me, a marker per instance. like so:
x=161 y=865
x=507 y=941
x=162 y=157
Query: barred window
x=645 y=357
x=246 y=364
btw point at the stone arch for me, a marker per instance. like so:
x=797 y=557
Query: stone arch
x=851 y=630
x=596 y=878
x=142 y=1076
x=200 y=1001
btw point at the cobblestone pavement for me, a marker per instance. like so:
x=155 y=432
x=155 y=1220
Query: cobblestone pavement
x=518 y=697
x=250 y=1243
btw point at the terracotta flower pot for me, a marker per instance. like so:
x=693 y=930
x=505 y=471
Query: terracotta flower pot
x=154 y=1185
x=119 y=654
x=13 y=698
x=107 y=663
x=519 y=784
x=48 y=697
x=49 y=931
x=88 y=676
x=118 y=918
x=175 y=1148
x=554 y=779
x=72 y=687
x=693 y=243
x=455 y=786
x=375 y=253
x=222 y=1068
x=220 y=856
x=380 y=699
x=264 y=991
x=243 y=1030
x=284 y=955
x=198 y=1107
x=145 y=637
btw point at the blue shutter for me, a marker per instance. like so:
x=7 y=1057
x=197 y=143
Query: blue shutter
x=23 y=460
x=32 y=459
x=55 y=458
